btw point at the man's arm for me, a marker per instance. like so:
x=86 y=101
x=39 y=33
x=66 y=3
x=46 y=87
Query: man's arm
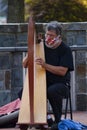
x=58 y=70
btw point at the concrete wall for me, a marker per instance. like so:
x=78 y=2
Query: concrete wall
x=11 y=71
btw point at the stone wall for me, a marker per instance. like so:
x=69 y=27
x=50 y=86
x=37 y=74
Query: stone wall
x=11 y=74
x=11 y=71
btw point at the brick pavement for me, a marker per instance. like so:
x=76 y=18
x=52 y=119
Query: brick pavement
x=79 y=116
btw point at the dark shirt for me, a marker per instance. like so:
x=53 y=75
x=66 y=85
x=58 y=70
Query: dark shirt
x=61 y=56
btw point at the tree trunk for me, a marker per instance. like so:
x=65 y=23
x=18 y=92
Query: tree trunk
x=15 y=11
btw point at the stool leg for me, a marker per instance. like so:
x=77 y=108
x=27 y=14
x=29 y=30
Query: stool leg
x=66 y=107
x=70 y=106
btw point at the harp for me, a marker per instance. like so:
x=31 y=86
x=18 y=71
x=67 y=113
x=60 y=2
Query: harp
x=33 y=109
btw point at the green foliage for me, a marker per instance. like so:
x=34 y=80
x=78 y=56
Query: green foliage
x=60 y=10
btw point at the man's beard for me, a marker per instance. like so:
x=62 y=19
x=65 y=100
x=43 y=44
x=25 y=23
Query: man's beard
x=53 y=43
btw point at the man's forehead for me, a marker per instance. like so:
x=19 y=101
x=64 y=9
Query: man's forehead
x=50 y=32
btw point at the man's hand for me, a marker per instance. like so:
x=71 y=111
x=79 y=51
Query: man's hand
x=40 y=61
x=25 y=62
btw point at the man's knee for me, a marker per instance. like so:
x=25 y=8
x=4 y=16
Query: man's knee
x=51 y=91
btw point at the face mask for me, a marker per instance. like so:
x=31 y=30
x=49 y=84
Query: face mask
x=52 y=43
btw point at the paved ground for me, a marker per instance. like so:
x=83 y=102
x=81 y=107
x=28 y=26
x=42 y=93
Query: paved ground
x=77 y=116
x=80 y=116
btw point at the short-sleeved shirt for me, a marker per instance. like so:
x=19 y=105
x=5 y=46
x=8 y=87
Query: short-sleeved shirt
x=61 y=56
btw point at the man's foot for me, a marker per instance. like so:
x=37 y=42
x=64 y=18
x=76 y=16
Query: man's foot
x=54 y=127
x=42 y=127
x=50 y=122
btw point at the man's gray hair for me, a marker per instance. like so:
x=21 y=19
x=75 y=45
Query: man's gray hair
x=54 y=25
